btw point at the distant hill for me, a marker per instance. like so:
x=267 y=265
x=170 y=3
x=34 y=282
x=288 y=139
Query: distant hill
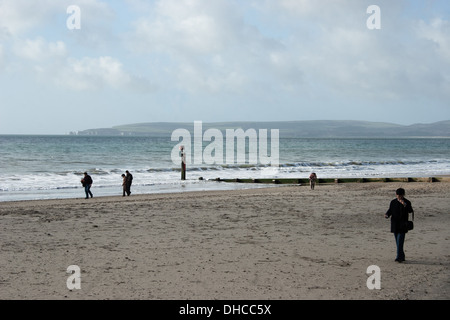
x=306 y=129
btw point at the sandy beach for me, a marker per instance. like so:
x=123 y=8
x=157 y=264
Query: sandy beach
x=287 y=242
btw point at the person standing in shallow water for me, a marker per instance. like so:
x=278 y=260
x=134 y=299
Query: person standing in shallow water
x=398 y=211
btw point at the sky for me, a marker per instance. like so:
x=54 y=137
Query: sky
x=131 y=61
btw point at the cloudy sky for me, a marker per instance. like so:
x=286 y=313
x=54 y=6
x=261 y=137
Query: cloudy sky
x=220 y=60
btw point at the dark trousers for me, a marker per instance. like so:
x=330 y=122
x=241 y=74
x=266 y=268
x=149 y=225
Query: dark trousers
x=87 y=189
x=400 y=240
x=128 y=189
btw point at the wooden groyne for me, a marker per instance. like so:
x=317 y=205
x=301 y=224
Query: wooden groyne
x=305 y=181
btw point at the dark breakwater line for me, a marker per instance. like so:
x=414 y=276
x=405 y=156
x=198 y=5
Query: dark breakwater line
x=332 y=180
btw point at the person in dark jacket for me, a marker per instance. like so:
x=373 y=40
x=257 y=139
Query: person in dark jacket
x=87 y=183
x=398 y=211
x=129 y=181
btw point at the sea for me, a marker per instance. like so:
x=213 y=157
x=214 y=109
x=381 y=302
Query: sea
x=51 y=166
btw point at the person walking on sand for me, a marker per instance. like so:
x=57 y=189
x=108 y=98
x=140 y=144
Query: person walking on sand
x=124 y=184
x=398 y=211
x=312 y=180
x=87 y=183
x=129 y=181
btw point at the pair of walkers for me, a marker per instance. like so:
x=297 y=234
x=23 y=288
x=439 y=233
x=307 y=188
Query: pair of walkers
x=126 y=183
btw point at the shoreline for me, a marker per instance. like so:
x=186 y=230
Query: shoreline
x=134 y=196
x=288 y=243
x=263 y=183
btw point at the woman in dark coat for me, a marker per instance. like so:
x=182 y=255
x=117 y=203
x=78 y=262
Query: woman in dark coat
x=399 y=210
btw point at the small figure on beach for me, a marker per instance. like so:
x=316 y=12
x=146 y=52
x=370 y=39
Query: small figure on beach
x=312 y=180
x=124 y=183
x=128 y=182
x=87 y=183
x=398 y=211
x=183 y=163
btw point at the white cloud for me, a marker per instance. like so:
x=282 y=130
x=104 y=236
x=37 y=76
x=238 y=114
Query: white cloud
x=218 y=46
x=39 y=49
x=435 y=63
x=18 y=16
x=70 y=60
x=209 y=46
x=336 y=50
x=438 y=33
x=52 y=64
x=94 y=73
x=269 y=57
x=188 y=27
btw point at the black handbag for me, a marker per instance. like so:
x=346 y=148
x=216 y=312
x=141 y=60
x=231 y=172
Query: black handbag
x=410 y=224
